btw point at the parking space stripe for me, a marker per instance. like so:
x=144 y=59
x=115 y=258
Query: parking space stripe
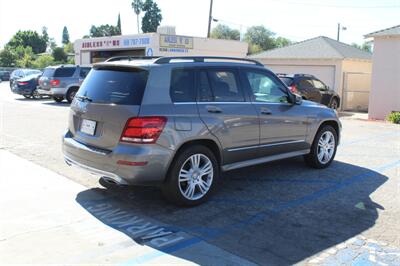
x=264 y=214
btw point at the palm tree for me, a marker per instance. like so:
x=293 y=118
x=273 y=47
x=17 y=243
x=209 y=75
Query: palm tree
x=137 y=6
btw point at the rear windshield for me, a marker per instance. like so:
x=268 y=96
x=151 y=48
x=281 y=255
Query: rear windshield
x=64 y=72
x=119 y=86
x=287 y=81
x=48 y=72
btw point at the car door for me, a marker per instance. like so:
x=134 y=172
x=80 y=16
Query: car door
x=227 y=113
x=283 y=125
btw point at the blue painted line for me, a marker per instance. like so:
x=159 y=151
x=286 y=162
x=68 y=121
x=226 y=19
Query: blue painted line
x=264 y=214
x=277 y=180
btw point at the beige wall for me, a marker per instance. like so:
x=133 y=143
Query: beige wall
x=385 y=91
x=356 y=84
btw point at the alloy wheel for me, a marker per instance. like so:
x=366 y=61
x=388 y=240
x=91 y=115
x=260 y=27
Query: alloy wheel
x=326 y=147
x=196 y=177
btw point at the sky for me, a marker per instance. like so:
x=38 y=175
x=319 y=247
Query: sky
x=294 y=19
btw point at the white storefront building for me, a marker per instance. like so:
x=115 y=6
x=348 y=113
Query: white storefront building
x=93 y=50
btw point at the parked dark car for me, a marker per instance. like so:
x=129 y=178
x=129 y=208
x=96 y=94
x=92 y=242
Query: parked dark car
x=22 y=73
x=4 y=75
x=27 y=86
x=312 y=89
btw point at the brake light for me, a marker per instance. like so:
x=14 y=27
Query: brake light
x=293 y=89
x=54 y=82
x=22 y=83
x=144 y=130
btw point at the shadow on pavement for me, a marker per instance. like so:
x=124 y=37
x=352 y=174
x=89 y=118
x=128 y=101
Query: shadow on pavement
x=279 y=213
x=56 y=104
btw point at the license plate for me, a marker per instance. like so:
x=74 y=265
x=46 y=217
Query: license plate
x=88 y=127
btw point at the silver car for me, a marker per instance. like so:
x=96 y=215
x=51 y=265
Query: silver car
x=178 y=122
x=62 y=82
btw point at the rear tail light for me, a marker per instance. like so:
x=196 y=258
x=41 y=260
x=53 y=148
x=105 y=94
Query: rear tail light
x=22 y=83
x=54 y=82
x=144 y=130
x=293 y=89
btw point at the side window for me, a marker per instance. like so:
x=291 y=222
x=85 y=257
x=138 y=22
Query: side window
x=305 y=84
x=64 y=72
x=182 y=87
x=225 y=87
x=319 y=85
x=83 y=72
x=265 y=88
x=205 y=93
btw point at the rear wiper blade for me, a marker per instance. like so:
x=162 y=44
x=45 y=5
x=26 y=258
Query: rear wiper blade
x=84 y=98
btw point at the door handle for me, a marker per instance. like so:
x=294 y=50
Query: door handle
x=213 y=109
x=265 y=111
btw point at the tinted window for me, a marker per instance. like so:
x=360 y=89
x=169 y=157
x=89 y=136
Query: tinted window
x=64 y=72
x=305 y=84
x=287 y=81
x=225 y=87
x=319 y=85
x=205 y=93
x=48 y=72
x=84 y=71
x=119 y=86
x=182 y=86
x=265 y=88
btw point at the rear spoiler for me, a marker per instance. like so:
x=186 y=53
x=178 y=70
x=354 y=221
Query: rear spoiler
x=118 y=66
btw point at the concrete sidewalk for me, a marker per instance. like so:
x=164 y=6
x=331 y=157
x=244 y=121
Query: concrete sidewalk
x=42 y=223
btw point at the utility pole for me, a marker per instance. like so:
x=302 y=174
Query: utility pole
x=210 y=19
x=338 y=31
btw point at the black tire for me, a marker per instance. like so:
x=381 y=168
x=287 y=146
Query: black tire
x=71 y=94
x=171 y=188
x=311 y=159
x=58 y=99
x=334 y=104
x=27 y=96
x=36 y=95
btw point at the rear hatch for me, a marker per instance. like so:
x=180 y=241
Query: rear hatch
x=108 y=97
x=44 y=80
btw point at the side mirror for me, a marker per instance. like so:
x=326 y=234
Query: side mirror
x=295 y=99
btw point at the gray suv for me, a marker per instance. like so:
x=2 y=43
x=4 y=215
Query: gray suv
x=62 y=82
x=178 y=122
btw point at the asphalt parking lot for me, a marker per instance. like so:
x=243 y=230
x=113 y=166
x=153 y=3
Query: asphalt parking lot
x=280 y=213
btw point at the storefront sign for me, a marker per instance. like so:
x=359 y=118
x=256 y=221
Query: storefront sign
x=142 y=41
x=100 y=44
x=174 y=41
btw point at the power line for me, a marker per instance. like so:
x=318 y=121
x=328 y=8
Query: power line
x=334 y=6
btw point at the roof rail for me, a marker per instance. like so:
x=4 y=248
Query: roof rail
x=304 y=75
x=130 y=58
x=166 y=60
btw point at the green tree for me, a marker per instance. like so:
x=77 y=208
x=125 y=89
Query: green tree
x=28 y=38
x=59 y=54
x=137 y=6
x=65 y=35
x=366 y=46
x=261 y=36
x=43 y=61
x=69 y=48
x=8 y=57
x=282 y=42
x=25 y=57
x=45 y=36
x=152 y=16
x=119 y=24
x=103 y=31
x=225 y=32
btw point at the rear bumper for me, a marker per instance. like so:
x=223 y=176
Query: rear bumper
x=104 y=162
x=54 y=92
x=22 y=91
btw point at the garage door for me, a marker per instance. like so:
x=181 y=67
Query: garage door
x=324 y=73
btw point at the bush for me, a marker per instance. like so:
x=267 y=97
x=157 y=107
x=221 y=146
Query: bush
x=394 y=117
